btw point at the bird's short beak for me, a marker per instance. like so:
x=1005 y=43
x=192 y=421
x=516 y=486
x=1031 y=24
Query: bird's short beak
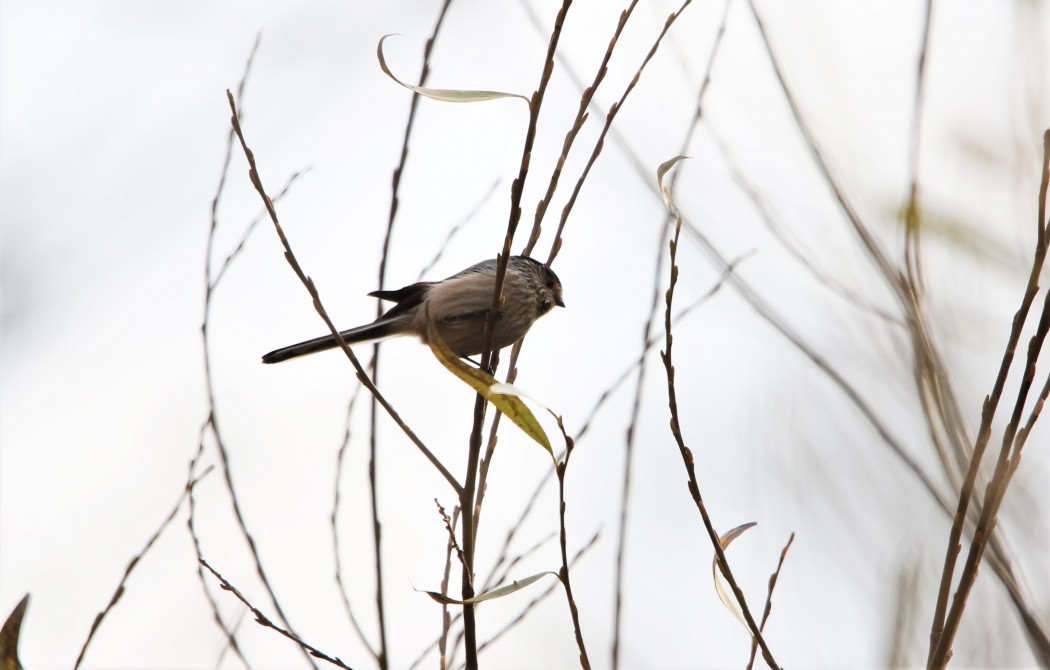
x=558 y=301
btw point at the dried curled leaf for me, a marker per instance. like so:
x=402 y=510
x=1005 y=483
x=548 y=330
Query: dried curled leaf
x=490 y=595
x=720 y=588
x=445 y=95
x=665 y=191
x=9 y=636
x=512 y=406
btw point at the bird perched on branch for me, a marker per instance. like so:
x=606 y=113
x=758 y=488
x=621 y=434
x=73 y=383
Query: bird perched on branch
x=459 y=306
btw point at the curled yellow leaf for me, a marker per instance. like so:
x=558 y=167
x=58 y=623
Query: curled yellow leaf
x=512 y=406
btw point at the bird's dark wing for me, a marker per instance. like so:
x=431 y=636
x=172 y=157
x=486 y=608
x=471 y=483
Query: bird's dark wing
x=407 y=298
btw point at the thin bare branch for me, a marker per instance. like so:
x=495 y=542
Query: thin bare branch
x=373 y=435
x=210 y=287
x=769 y=598
x=563 y=575
x=312 y=289
x=263 y=620
x=227 y=631
x=119 y=591
x=538 y=599
x=337 y=543
x=687 y=455
x=586 y=97
x=609 y=117
x=647 y=341
x=488 y=357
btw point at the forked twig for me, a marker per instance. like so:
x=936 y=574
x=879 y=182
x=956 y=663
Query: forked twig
x=769 y=598
x=263 y=620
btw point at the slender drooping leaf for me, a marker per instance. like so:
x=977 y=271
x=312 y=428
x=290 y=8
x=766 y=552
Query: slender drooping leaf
x=490 y=595
x=445 y=95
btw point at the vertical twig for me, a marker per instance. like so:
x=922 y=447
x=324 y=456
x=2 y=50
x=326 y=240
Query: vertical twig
x=344 y=594
x=224 y=456
x=621 y=546
x=211 y=283
x=446 y=619
x=913 y=228
x=467 y=494
x=563 y=574
x=769 y=599
x=373 y=483
x=687 y=455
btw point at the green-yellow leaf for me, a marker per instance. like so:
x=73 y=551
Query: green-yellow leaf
x=720 y=587
x=490 y=595
x=445 y=95
x=513 y=407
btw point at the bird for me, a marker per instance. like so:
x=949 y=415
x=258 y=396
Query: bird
x=459 y=306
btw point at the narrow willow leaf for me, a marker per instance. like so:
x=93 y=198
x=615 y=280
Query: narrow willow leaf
x=513 y=407
x=728 y=600
x=490 y=595
x=665 y=191
x=445 y=95
x=500 y=388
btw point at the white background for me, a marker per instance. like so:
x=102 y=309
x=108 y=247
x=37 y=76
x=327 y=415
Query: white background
x=114 y=120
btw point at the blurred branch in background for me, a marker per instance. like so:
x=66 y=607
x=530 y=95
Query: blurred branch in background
x=944 y=628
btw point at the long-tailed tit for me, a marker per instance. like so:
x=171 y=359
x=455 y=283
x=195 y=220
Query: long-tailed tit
x=459 y=306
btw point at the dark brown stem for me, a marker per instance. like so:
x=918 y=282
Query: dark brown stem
x=563 y=574
x=373 y=447
x=769 y=599
x=570 y=137
x=687 y=459
x=263 y=620
x=467 y=493
x=600 y=143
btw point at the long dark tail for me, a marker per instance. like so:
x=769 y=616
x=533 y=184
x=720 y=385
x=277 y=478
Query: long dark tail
x=369 y=333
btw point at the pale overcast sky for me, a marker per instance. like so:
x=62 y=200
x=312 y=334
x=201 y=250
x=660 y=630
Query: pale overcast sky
x=113 y=127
